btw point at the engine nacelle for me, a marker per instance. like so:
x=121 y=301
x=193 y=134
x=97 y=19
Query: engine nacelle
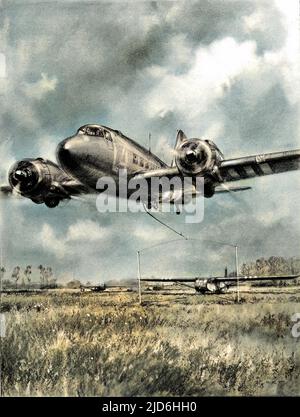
x=195 y=157
x=210 y=285
x=34 y=179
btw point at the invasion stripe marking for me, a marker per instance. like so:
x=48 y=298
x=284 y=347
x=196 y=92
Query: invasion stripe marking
x=249 y=171
x=233 y=173
x=267 y=170
x=241 y=171
x=257 y=169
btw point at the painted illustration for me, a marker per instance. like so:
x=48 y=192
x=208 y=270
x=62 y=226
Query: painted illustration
x=149 y=198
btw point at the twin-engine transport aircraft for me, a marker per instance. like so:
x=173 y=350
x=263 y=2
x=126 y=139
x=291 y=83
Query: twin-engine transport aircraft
x=96 y=151
x=217 y=285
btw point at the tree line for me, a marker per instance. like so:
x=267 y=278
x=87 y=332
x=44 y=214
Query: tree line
x=19 y=276
x=274 y=265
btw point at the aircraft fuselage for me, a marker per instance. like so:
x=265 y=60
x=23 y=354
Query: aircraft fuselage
x=89 y=156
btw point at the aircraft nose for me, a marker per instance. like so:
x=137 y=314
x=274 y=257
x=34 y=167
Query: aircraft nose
x=66 y=152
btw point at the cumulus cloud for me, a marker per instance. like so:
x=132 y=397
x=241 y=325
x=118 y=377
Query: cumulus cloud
x=2 y=66
x=83 y=232
x=146 y=236
x=207 y=80
x=7 y=157
x=47 y=146
x=40 y=88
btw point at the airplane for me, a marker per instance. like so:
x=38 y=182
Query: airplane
x=95 y=151
x=93 y=288
x=217 y=285
x=103 y=287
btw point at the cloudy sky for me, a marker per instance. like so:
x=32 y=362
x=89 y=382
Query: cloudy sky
x=226 y=70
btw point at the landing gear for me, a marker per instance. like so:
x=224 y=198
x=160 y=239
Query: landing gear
x=51 y=202
x=177 y=210
x=151 y=204
x=209 y=190
x=201 y=291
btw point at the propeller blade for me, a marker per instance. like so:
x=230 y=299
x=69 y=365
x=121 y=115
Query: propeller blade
x=181 y=137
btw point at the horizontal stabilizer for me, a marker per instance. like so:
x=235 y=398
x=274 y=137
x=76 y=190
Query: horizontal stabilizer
x=5 y=189
x=227 y=189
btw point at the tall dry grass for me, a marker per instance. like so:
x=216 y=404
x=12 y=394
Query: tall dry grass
x=71 y=344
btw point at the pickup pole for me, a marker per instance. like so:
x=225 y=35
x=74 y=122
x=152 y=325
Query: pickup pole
x=2 y=320
x=237 y=273
x=139 y=276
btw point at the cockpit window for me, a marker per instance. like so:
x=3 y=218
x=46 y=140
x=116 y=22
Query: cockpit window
x=92 y=131
x=107 y=135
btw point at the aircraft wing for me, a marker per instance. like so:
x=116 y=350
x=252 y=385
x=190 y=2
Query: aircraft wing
x=242 y=168
x=259 y=165
x=73 y=187
x=261 y=278
x=63 y=190
x=223 y=279
x=168 y=279
x=173 y=171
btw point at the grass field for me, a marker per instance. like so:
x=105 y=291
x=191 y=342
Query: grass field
x=104 y=344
